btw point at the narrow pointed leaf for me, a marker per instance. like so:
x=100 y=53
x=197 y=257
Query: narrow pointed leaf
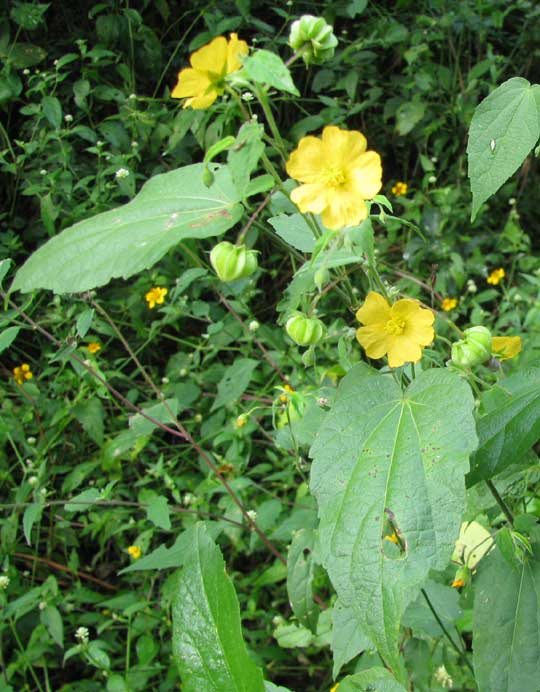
x=207 y=634
x=383 y=461
x=506 y=632
x=121 y=242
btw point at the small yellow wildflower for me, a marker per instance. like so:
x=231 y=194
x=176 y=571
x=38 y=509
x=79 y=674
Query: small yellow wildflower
x=135 y=551
x=399 y=331
x=338 y=175
x=93 y=347
x=496 y=276
x=458 y=583
x=241 y=420
x=449 y=304
x=22 y=373
x=393 y=538
x=400 y=189
x=156 y=296
x=284 y=398
x=505 y=347
x=204 y=81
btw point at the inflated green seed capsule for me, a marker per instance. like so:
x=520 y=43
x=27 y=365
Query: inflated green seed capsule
x=473 y=349
x=303 y=330
x=233 y=262
x=207 y=177
x=313 y=38
x=321 y=278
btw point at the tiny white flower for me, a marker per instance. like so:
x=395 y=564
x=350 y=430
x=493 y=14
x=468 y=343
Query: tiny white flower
x=471 y=286
x=43 y=491
x=434 y=159
x=100 y=143
x=82 y=635
x=4 y=581
x=183 y=372
x=43 y=171
x=512 y=201
x=432 y=179
x=42 y=605
x=252 y=514
x=247 y=96
x=121 y=173
x=134 y=144
x=165 y=380
x=253 y=326
x=322 y=401
x=443 y=678
x=33 y=480
x=26 y=71
x=55 y=63
x=188 y=499
x=132 y=96
x=68 y=118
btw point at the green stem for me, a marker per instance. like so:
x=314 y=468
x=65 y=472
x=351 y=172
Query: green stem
x=502 y=504
x=267 y=110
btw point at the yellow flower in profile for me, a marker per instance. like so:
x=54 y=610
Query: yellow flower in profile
x=22 y=373
x=156 y=296
x=399 y=331
x=134 y=551
x=400 y=189
x=449 y=304
x=505 y=347
x=284 y=398
x=93 y=347
x=204 y=81
x=338 y=175
x=496 y=276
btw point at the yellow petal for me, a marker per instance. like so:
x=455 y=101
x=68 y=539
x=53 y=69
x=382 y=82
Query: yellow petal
x=374 y=339
x=306 y=162
x=191 y=83
x=201 y=102
x=374 y=310
x=418 y=321
x=212 y=57
x=342 y=146
x=505 y=347
x=403 y=350
x=235 y=49
x=367 y=171
x=310 y=198
x=344 y=209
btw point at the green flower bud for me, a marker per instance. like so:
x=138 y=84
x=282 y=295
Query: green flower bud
x=313 y=38
x=321 y=278
x=233 y=262
x=305 y=331
x=207 y=177
x=473 y=349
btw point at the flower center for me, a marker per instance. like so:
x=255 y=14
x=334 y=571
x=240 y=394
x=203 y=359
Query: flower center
x=395 y=326
x=335 y=176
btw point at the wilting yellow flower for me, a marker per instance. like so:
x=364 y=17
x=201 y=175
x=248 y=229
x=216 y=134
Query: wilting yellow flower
x=284 y=398
x=204 y=81
x=338 y=175
x=457 y=583
x=400 y=330
x=93 y=347
x=505 y=347
x=449 y=304
x=156 y=296
x=22 y=373
x=135 y=551
x=400 y=189
x=496 y=276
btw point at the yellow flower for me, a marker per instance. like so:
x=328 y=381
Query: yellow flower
x=241 y=420
x=334 y=688
x=458 y=583
x=400 y=189
x=400 y=330
x=93 y=347
x=392 y=538
x=134 y=551
x=496 y=276
x=204 y=81
x=156 y=296
x=338 y=175
x=449 y=304
x=284 y=398
x=22 y=373
x=505 y=347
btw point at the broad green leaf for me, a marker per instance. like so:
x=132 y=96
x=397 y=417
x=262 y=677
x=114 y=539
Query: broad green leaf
x=294 y=230
x=511 y=426
x=31 y=514
x=157 y=509
x=347 y=638
x=91 y=415
x=372 y=679
x=265 y=67
x=290 y=635
x=506 y=630
x=207 y=635
x=121 y=242
x=300 y=567
x=408 y=115
x=234 y=382
x=52 y=110
x=160 y=412
x=51 y=618
x=386 y=459
x=163 y=557
x=83 y=501
x=419 y=618
x=270 y=687
x=7 y=337
x=244 y=156
x=504 y=129
x=84 y=320
x=4 y=268
x=26 y=55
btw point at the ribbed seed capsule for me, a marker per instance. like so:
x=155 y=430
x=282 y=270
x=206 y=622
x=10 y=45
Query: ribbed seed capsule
x=233 y=262
x=303 y=330
x=473 y=349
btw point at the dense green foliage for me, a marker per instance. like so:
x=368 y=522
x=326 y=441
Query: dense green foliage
x=212 y=487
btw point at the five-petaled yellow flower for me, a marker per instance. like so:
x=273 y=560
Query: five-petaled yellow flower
x=449 y=304
x=135 y=551
x=400 y=189
x=156 y=296
x=338 y=175
x=93 y=347
x=22 y=373
x=505 y=347
x=399 y=331
x=496 y=276
x=204 y=81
